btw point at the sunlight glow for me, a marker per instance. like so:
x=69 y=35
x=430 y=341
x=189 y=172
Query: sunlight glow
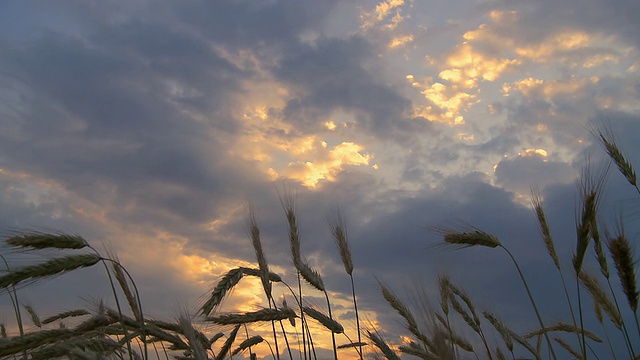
x=400 y=41
x=311 y=172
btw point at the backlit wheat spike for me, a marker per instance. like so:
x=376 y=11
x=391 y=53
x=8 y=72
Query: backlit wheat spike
x=583 y=229
x=594 y=288
x=34 y=316
x=256 y=272
x=501 y=328
x=563 y=327
x=339 y=231
x=66 y=349
x=622 y=254
x=536 y=201
x=471 y=238
x=36 y=240
x=48 y=268
x=382 y=345
x=263 y=267
x=455 y=339
x=227 y=344
x=323 y=319
x=288 y=204
x=463 y=313
x=310 y=275
x=352 y=345
x=399 y=306
x=132 y=300
x=517 y=338
x=572 y=351
x=609 y=142
x=251 y=317
x=415 y=351
x=33 y=340
x=228 y=281
x=195 y=344
x=64 y=315
x=252 y=341
x=215 y=338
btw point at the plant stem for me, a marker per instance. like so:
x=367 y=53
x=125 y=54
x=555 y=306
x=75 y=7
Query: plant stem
x=535 y=308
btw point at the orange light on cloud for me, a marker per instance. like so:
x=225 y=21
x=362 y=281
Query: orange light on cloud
x=400 y=41
x=388 y=9
x=311 y=172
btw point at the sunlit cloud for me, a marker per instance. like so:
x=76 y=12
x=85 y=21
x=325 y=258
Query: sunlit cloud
x=548 y=89
x=311 y=172
x=400 y=41
x=446 y=103
x=388 y=12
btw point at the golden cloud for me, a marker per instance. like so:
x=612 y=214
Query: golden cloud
x=400 y=41
x=548 y=88
x=385 y=10
x=311 y=172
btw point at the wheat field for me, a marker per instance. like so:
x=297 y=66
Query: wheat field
x=454 y=328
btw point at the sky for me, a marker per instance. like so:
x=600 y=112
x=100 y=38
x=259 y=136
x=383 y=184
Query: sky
x=150 y=127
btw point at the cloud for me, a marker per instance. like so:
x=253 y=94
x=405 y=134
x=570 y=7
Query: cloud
x=389 y=10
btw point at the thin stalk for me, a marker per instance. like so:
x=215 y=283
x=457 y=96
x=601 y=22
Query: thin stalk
x=284 y=333
x=142 y=324
x=16 y=306
x=355 y=306
x=117 y=301
x=584 y=351
x=624 y=326
x=573 y=316
x=333 y=335
x=533 y=303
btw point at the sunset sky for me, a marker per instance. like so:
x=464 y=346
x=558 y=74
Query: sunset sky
x=149 y=128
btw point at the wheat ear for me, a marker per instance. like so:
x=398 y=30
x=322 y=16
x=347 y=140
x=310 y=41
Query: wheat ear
x=49 y=268
x=251 y=317
x=382 y=345
x=323 y=319
x=252 y=341
x=37 y=240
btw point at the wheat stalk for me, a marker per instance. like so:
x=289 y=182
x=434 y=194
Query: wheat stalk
x=622 y=254
x=252 y=341
x=536 y=202
x=263 y=267
x=607 y=139
x=501 y=328
x=382 y=345
x=323 y=319
x=34 y=316
x=564 y=327
x=310 y=275
x=471 y=238
x=251 y=317
x=49 y=268
x=598 y=295
x=568 y=347
x=33 y=340
x=64 y=315
x=227 y=344
x=228 y=281
x=37 y=240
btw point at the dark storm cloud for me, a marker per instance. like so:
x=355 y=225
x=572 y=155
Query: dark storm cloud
x=616 y=18
x=337 y=74
x=111 y=108
x=522 y=173
x=248 y=24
